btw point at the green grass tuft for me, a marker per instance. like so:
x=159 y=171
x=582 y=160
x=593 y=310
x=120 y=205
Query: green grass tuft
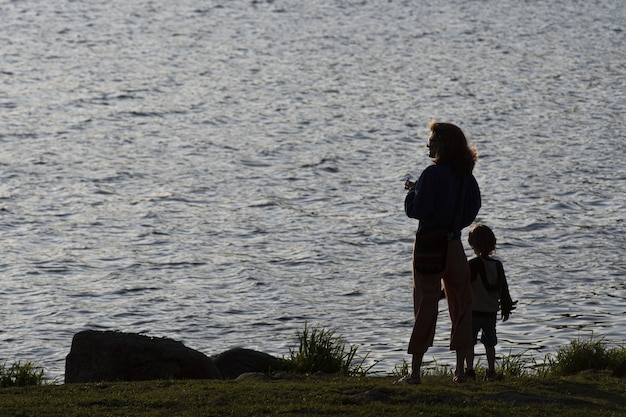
x=321 y=351
x=578 y=356
x=581 y=355
x=18 y=375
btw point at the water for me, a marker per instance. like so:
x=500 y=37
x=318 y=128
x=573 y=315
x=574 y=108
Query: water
x=224 y=172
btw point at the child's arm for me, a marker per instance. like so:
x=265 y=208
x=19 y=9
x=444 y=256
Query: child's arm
x=506 y=303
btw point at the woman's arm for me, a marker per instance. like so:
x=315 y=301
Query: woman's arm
x=472 y=201
x=418 y=203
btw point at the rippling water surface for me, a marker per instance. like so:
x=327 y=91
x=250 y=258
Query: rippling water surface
x=223 y=172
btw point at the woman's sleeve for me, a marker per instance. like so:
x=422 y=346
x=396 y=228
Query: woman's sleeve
x=417 y=203
x=472 y=202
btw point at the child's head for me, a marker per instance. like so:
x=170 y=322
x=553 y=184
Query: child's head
x=482 y=240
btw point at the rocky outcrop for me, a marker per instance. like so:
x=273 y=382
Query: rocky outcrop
x=114 y=356
x=237 y=361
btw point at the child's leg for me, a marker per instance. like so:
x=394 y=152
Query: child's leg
x=490 y=340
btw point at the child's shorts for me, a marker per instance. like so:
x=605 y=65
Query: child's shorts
x=486 y=323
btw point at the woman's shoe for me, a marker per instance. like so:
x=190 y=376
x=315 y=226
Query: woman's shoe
x=459 y=379
x=409 y=379
x=490 y=376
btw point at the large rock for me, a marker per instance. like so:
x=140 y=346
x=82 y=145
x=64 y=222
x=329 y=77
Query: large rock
x=114 y=356
x=237 y=361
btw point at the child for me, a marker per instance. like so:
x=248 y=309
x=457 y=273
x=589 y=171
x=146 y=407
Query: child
x=490 y=292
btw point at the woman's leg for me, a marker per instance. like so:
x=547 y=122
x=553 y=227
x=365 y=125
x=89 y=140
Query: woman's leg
x=469 y=360
x=416 y=365
x=491 y=358
x=457 y=285
x=426 y=294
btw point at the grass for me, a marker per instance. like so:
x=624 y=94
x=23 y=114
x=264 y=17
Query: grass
x=327 y=378
x=590 y=395
x=18 y=375
x=321 y=351
x=581 y=355
x=578 y=356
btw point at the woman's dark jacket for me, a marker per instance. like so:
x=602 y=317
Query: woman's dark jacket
x=432 y=201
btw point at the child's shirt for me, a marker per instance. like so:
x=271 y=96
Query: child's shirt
x=490 y=290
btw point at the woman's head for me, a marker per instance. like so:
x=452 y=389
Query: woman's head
x=448 y=145
x=482 y=240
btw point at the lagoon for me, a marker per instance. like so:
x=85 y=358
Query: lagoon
x=224 y=173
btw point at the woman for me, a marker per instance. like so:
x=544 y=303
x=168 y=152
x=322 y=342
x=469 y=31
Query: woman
x=446 y=195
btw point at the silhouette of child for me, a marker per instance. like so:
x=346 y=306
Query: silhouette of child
x=490 y=292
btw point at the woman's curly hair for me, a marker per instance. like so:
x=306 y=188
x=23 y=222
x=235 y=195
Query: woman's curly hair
x=453 y=148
